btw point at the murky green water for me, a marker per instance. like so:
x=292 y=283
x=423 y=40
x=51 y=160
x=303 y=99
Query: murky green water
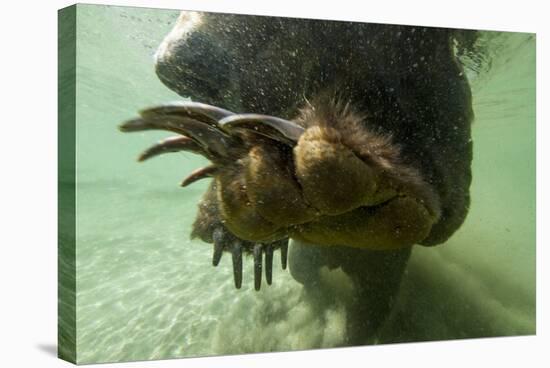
x=146 y=291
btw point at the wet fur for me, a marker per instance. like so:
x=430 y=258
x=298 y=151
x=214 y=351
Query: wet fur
x=404 y=80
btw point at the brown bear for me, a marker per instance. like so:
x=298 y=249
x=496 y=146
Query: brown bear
x=351 y=139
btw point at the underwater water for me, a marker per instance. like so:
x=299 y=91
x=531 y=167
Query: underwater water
x=146 y=291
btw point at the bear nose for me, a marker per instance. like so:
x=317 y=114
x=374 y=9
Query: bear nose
x=192 y=64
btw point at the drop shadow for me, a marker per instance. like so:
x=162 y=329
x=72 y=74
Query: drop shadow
x=50 y=349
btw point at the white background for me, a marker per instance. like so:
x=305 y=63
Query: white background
x=28 y=161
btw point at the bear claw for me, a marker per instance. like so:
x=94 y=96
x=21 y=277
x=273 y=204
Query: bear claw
x=223 y=240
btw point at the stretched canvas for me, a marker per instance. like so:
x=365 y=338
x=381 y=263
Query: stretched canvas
x=314 y=184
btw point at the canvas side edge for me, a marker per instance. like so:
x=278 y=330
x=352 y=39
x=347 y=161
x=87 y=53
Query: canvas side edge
x=66 y=334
